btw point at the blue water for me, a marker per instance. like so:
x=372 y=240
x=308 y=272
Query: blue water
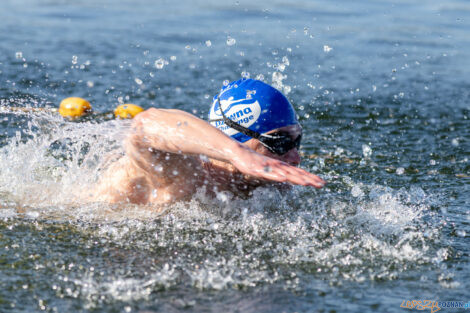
x=382 y=91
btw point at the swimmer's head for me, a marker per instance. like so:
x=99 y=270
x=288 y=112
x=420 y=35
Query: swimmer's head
x=252 y=104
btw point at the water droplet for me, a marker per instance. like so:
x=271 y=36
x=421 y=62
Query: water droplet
x=260 y=77
x=356 y=191
x=19 y=55
x=461 y=233
x=208 y=43
x=231 y=41
x=90 y=84
x=226 y=82
x=160 y=63
x=366 y=151
x=138 y=81
x=175 y=172
x=400 y=171
x=327 y=48
x=222 y=197
x=285 y=60
x=154 y=193
x=267 y=169
x=173 y=58
x=249 y=93
x=74 y=59
x=455 y=142
x=278 y=78
x=339 y=151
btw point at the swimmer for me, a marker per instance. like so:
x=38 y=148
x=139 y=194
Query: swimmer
x=252 y=139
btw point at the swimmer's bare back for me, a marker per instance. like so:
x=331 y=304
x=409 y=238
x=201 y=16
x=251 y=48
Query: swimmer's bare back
x=168 y=154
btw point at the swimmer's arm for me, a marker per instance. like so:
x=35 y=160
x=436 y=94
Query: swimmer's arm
x=180 y=133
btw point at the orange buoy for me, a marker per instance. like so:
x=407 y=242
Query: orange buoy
x=127 y=110
x=74 y=107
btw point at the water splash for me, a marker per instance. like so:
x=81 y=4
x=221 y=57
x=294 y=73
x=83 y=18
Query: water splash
x=53 y=161
x=227 y=242
x=372 y=233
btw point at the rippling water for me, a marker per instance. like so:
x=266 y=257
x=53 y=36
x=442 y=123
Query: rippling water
x=382 y=91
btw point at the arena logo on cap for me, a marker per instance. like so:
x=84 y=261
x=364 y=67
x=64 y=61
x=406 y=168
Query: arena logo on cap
x=240 y=111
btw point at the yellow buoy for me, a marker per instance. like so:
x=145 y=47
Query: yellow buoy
x=74 y=107
x=127 y=110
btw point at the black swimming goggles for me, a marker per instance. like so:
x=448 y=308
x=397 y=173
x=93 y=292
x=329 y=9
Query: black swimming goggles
x=278 y=143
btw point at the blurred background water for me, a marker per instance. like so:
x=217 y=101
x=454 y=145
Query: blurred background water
x=382 y=92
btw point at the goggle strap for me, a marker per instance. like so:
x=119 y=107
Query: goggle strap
x=236 y=126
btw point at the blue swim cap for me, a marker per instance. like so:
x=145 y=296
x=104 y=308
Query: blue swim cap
x=252 y=104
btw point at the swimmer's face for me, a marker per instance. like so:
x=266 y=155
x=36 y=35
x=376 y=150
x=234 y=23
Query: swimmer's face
x=291 y=157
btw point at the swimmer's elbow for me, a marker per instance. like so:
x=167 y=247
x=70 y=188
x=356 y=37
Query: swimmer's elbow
x=141 y=120
x=138 y=120
x=145 y=130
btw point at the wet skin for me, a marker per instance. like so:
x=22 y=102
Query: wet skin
x=170 y=154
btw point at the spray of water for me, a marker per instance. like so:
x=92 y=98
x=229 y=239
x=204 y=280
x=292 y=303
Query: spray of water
x=54 y=162
x=362 y=232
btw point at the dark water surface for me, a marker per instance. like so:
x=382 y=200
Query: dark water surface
x=382 y=90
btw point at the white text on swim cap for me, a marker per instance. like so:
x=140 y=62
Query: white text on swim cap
x=245 y=114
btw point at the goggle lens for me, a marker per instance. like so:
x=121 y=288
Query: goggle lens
x=280 y=142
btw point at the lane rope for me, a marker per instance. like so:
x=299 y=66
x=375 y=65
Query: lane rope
x=75 y=107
